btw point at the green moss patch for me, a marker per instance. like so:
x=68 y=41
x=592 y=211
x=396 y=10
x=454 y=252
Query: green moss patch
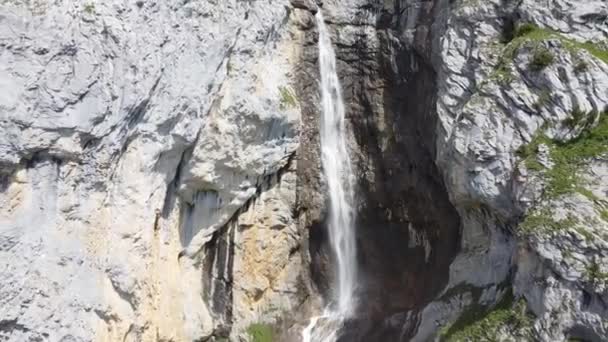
x=594 y=49
x=568 y=157
x=480 y=325
x=604 y=214
x=260 y=332
x=529 y=152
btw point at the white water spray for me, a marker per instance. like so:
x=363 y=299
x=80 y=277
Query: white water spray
x=339 y=176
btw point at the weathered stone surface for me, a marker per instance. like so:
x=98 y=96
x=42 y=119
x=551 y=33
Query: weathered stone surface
x=132 y=134
x=308 y=5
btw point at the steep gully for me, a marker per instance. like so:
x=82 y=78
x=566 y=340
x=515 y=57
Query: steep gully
x=407 y=231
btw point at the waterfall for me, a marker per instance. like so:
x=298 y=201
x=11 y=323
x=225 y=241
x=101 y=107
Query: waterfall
x=338 y=174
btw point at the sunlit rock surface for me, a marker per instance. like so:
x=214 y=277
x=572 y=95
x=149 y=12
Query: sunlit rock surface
x=147 y=154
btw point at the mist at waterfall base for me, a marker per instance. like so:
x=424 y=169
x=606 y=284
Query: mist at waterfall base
x=337 y=171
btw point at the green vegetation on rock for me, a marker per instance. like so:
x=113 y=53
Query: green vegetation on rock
x=259 y=332
x=543 y=221
x=544 y=98
x=288 y=99
x=604 y=214
x=541 y=59
x=568 y=157
x=531 y=34
x=576 y=117
x=529 y=152
x=595 y=274
x=596 y=50
x=89 y=8
x=580 y=67
x=508 y=316
x=525 y=29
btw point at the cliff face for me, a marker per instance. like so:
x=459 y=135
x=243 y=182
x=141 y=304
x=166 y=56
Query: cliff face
x=160 y=175
x=148 y=173
x=512 y=74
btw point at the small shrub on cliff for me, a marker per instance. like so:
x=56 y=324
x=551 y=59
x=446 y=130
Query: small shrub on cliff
x=595 y=274
x=543 y=99
x=576 y=117
x=604 y=214
x=581 y=67
x=541 y=59
x=89 y=8
x=525 y=29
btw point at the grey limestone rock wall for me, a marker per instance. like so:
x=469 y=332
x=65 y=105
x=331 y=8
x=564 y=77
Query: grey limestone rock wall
x=160 y=176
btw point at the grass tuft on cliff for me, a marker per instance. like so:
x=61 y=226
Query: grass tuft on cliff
x=529 y=33
x=595 y=274
x=568 y=157
x=543 y=221
x=508 y=316
x=604 y=214
x=288 y=98
x=260 y=332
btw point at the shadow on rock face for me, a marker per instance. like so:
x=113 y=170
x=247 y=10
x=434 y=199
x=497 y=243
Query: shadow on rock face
x=320 y=254
x=408 y=232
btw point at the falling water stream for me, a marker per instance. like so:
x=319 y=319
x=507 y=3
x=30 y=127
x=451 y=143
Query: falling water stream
x=338 y=174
